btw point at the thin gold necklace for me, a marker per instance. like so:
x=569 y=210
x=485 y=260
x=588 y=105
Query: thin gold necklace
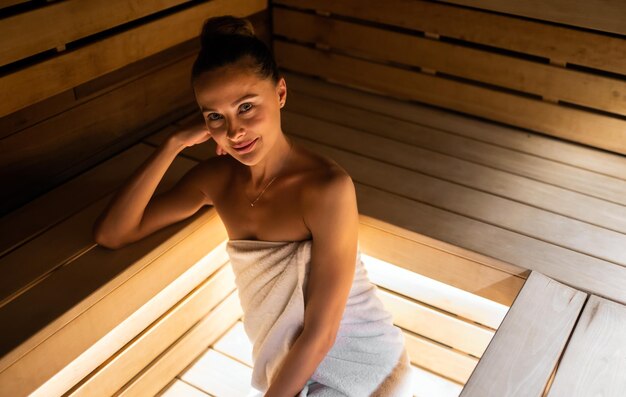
x=268 y=185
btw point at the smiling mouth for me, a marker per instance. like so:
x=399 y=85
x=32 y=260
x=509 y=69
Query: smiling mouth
x=249 y=145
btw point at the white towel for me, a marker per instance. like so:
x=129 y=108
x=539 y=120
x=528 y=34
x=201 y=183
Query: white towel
x=368 y=357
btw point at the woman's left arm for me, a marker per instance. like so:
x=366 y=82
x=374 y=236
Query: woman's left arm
x=331 y=214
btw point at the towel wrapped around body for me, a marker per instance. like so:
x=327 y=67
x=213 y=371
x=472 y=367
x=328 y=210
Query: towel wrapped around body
x=368 y=357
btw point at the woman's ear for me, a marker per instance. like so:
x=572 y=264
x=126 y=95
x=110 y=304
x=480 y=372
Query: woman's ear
x=281 y=90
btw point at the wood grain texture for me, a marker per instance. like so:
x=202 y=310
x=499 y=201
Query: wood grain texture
x=535 y=38
x=594 y=362
x=31 y=263
x=52 y=76
x=515 y=139
x=586 y=89
x=38 y=158
x=576 y=269
x=603 y=15
x=488 y=167
x=107 y=288
x=182 y=352
x=42 y=213
x=572 y=124
x=63 y=22
x=124 y=364
x=526 y=347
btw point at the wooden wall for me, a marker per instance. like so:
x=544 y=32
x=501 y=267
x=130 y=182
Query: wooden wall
x=83 y=80
x=555 y=79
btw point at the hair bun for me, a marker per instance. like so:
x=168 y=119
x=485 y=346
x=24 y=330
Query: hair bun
x=225 y=25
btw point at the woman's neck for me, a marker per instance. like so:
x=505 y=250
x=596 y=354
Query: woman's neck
x=273 y=163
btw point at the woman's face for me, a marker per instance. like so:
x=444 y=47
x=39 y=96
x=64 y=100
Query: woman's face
x=239 y=108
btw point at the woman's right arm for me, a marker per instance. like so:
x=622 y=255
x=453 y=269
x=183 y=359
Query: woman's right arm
x=133 y=214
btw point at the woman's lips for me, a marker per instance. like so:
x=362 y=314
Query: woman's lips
x=248 y=148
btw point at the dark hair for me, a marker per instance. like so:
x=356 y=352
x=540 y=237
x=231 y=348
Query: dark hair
x=227 y=39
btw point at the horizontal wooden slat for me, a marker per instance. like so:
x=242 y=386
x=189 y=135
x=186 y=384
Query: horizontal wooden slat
x=38 y=158
x=429 y=261
x=526 y=347
x=577 y=125
x=220 y=375
x=107 y=288
x=431 y=292
x=580 y=194
x=180 y=354
x=436 y=325
x=593 y=362
x=524 y=36
x=439 y=359
x=62 y=22
x=608 y=94
x=34 y=218
x=604 y=15
x=181 y=389
x=145 y=347
x=491 y=209
x=31 y=263
x=591 y=159
x=34 y=83
x=578 y=270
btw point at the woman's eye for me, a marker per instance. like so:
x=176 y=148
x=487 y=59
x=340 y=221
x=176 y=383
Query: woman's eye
x=246 y=109
x=212 y=118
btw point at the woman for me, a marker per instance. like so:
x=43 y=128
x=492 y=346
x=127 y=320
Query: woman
x=280 y=204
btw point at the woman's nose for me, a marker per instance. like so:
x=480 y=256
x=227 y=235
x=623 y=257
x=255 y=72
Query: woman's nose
x=235 y=130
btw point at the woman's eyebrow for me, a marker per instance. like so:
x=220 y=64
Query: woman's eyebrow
x=233 y=104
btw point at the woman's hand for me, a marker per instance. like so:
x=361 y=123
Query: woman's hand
x=191 y=134
x=194 y=133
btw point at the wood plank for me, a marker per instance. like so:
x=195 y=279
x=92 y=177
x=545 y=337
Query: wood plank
x=573 y=268
x=218 y=374
x=585 y=196
x=112 y=53
x=568 y=123
x=179 y=388
x=536 y=38
x=41 y=321
x=173 y=324
x=490 y=209
x=428 y=384
x=435 y=324
x=32 y=219
x=440 y=359
x=591 y=159
x=31 y=115
x=607 y=16
x=174 y=360
x=235 y=343
x=585 y=89
x=434 y=293
x=32 y=263
x=526 y=347
x=593 y=362
x=63 y=22
x=39 y=158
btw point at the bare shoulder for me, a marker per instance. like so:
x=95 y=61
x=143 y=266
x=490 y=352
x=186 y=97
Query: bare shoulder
x=210 y=175
x=325 y=180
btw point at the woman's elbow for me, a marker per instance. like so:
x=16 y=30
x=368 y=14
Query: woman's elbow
x=104 y=240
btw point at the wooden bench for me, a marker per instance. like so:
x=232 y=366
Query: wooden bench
x=81 y=317
x=555 y=341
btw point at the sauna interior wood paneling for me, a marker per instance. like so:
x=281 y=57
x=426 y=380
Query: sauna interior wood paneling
x=557 y=80
x=75 y=93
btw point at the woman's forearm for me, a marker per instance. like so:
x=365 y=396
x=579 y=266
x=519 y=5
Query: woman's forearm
x=126 y=208
x=299 y=364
